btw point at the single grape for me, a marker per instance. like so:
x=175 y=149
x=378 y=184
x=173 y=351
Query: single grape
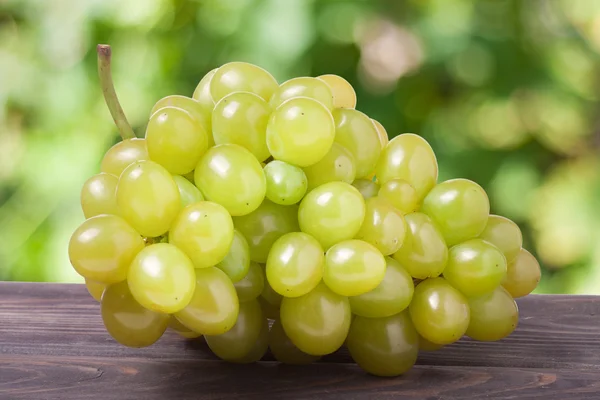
x=237 y=261
x=505 y=235
x=475 y=267
x=343 y=93
x=424 y=253
x=242 y=77
x=384 y=346
x=181 y=329
x=204 y=231
x=188 y=193
x=382 y=133
x=357 y=133
x=318 y=322
x=300 y=131
x=383 y=227
x=102 y=248
x=337 y=165
x=252 y=285
x=426 y=345
x=202 y=92
x=98 y=195
x=286 y=183
x=241 y=118
x=401 y=194
x=127 y=321
x=148 y=198
x=214 y=307
x=366 y=187
x=439 y=312
x=522 y=275
x=295 y=264
x=123 y=154
x=192 y=106
x=95 y=289
x=494 y=316
x=390 y=297
x=261 y=345
x=332 y=212
x=303 y=87
x=230 y=175
x=284 y=350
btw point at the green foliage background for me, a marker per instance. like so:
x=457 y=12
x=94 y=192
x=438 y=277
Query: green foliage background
x=506 y=91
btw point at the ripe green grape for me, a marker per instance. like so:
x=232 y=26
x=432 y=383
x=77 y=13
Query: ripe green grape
x=95 y=289
x=286 y=183
x=98 y=195
x=202 y=93
x=300 y=131
x=382 y=133
x=260 y=346
x=303 y=87
x=230 y=175
x=181 y=329
x=366 y=187
x=337 y=165
x=161 y=278
x=439 y=312
x=342 y=91
x=401 y=194
x=192 y=106
x=252 y=285
x=204 y=231
x=411 y=158
x=384 y=346
x=214 y=307
x=475 y=267
x=522 y=275
x=505 y=235
x=357 y=133
x=331 y=213
x=265 y=225
x=295 y=264
x=460 y=208
x=424 y=253
x=318 y=322
x=242 y=77
x=284 y=350
x=148 y=198
x=102 y=248
x=383 y=226
x=127 y=321
x=494 y=316
x=426 y=345
x=241 y=118
x=123 y=154
x=188 y=193
x=390 y=297
x=237 y=261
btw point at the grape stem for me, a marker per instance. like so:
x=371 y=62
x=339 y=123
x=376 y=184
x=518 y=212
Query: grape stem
x=110 y=96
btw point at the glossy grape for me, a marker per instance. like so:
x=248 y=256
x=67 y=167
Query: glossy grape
x=122 y=155
x=343 y=93
x=95 y=289
x=366 y=187
x=181 y=329
x=242 y=77
x=494 y=316
x=401 y=194
x=382 y=133
x=383 y=226
x=505 y=235
x=303 y=87
x=261 y=345
x=188 y=193
x=98 y=195
x=337 y=165
x=522 y=275
x=192 y=106
x=284 y=350
x=237 y=261
x=252 y=285
x=286 y=183
x=202 y=92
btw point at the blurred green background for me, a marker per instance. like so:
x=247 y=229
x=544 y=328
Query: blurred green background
x=506 y=92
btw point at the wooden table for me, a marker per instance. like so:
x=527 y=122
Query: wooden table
x=53 y=346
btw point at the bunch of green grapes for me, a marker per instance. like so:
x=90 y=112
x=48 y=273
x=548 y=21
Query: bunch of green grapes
x=253 y=201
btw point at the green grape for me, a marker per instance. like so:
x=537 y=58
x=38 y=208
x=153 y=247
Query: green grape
x=122 y=155
x=161 y=278
x=357 y=133
x=295 y=264
x=252 y=285
x=318 y=322
x=426 y=345
x=241 y=118
x=385 y=346
x=286 y=183
x=214 y=307
x=98 y=195
x=343 y=93
x=202 y=93
x=300 y=131
x=401 y=194
x=353 y=267
x=390 y=297
x=265 y=225
x=270 y=296
x=337 y=165
x=127 y=321
x=332 y=212
x=239 y=340
x=188 y=193
x=383 y=226
x=242 y=77
x=237 y=261
x=284 y=350
x=382 y=133
x=424 y=253
x=148 y=198
x=260 y=346
x=269 y=310
x=522 y=275
x=229 y=174
x=460 y=208
x=411 y=158
x=505 y=235
x=204 y=231
x=366 y=187
x=181 y=329
x=195 y=108
x=102 y=248
x=439 y=312
x=95 y=289
x=303 y=87
x=475 y=267
x=494 y=316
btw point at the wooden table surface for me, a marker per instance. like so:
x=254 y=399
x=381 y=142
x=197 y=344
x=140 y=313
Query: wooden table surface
x=53 y=346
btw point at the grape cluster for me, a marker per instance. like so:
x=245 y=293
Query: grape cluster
x=254 y=200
